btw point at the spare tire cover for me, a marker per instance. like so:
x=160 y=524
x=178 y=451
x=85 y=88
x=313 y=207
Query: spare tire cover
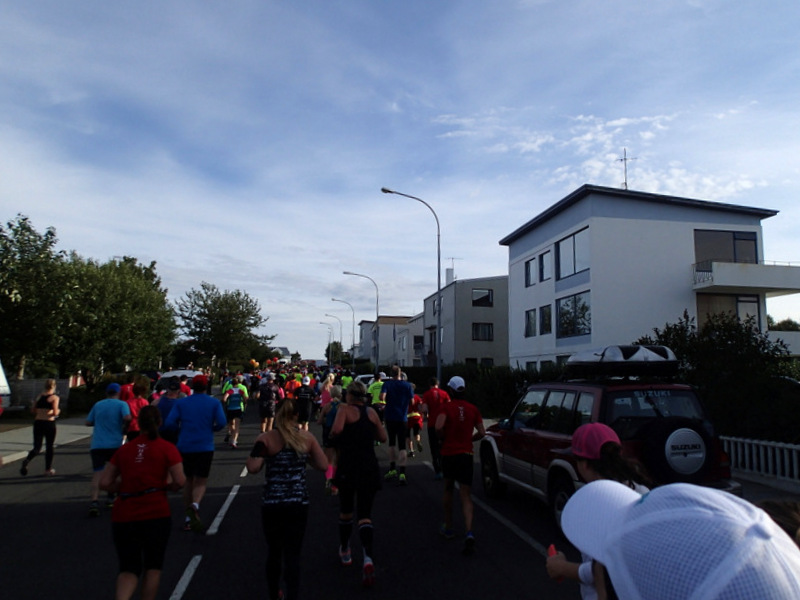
x=685 y=451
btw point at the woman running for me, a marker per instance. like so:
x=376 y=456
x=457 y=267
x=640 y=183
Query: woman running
x=284 y=452
x=46 y=411
x=356 y=429
x=326 y=418
x=136 y=404
x=142 y=472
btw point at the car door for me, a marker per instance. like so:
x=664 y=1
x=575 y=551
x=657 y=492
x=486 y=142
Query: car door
x=554 y=432
x=519 y=442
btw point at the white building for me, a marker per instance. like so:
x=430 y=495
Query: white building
x=605 y=266
x=380 y=339
x=474 y=322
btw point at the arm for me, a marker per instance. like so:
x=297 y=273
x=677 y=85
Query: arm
x=440 y=421
x=480 y=433
x=259 y=452
x=325 y=410
x=108 y=478
x=559 y=567
x=220 y=421
x=339 y=422
x=317 y=457
x=178 y=477
x=55 y=403
x=380 y=432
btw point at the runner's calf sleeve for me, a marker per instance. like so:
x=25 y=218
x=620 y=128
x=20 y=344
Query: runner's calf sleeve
x=365 y=534
x=345 y=530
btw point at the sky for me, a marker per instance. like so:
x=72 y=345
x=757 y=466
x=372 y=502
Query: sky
x=245 y=143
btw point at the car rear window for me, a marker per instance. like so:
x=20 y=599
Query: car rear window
x=647 y=404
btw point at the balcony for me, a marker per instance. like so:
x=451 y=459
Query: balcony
x=772 y=279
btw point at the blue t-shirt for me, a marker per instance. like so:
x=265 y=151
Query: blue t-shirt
x=399 y=394
x=108 y=418
x=196 y=417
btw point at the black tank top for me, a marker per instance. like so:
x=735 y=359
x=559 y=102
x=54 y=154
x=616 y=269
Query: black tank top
x=44 y=402
x=357 y=444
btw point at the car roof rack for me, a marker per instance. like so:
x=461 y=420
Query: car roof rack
x=622 y=361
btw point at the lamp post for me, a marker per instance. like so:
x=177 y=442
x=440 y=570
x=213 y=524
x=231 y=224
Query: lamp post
x=341 y=340
x=438 y=279
x=330 y=335
x=353 y=338
x=377 y=316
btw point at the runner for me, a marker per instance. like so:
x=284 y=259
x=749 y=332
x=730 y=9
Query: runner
x=374 y=390
x=397 y=393
x=269 y=394
x=455 y=425
x=135 y=403
x=196 y=417
x=141 y=520
x=109 y=417
x=304 y=396
x=414 y=424
x=284 y=504
x=358 y=475
x=432 y=401
x=46 y=410
x=327 y=416
x=164 y=403
x=235 y=400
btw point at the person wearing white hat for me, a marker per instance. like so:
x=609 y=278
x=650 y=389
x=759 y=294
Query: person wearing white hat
x=459 y=424
x=682 y=541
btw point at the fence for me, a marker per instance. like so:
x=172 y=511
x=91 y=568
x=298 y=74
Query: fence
x=771 y=460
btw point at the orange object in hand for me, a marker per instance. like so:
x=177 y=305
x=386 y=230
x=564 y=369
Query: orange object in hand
x=551 y=551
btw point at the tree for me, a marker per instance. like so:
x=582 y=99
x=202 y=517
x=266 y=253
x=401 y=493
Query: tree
x=734 y=366
x=785 y=325
x=31 y=292
x=221 y=323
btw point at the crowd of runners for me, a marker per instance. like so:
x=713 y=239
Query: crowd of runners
x=145 y=445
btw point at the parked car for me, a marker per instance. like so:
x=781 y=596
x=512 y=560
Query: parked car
x=165 y=377
x=660 y=423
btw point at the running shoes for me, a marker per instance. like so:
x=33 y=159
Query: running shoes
x=368 y=572
x=391 y=475
x=402 y=479
x=469 y=544
x=23 y=470
x=195 y=524
x=346 y=556
x=94 y=509
x=446 y=533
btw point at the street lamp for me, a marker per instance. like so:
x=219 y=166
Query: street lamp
x=330 y=335
x=438 y=279
x=341 y=340
x=353 y=338
x=377 y=316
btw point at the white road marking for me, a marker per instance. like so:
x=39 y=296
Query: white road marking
x=221 y=514
x=188 y=573
x=243 y=473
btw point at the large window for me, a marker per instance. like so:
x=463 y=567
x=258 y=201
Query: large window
x=573 y=254
x=530 y=322
x=545 y=266
x=530 y=272
x=725 y=246
x=545 y=319
x=574 y=315
x=483 y=332
x=741 y=306
x=482 y=297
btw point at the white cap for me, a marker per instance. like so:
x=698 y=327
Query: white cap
x=306 y=380
x=682 y=541
x=457 y=383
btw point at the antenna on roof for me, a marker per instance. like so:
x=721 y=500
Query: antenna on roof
x=624 y=160
x=453 y=260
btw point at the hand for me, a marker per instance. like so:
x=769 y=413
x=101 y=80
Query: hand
x=556 y=565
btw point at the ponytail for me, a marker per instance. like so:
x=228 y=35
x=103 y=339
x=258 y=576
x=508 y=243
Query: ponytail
x=286 y=424
x=149 y=421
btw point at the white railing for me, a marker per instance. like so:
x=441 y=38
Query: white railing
x=772 y=460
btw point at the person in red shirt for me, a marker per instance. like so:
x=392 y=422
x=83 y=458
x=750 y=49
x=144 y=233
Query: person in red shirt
x=432 y=402
x=126 y=390
x=414 y=424
x=136 y=403
x=141 y=472
x=459 y=424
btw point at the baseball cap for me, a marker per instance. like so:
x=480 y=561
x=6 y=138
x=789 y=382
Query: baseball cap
x=174 y=383
x=270 y=376
x=456 y=383
x=306 y=380
x=199 y=381
x=113 y=388
x=682 y=541
x=588 y=439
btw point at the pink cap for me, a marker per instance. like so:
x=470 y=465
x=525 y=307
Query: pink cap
x=589 y=438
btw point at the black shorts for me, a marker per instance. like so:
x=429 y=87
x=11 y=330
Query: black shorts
x=266 y=411
x=100 y=456
x=234 y=414
x=141 y=544
x=197 y=464
x=458 y=468
x=303 y=410
x=397 y=431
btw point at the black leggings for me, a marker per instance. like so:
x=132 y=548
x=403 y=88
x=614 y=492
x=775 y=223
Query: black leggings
x=284 y=527
x=43 y=430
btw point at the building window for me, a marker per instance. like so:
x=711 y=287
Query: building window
x=545 y=319
x=530 y=272
x=482 y=297
x=574 y=315
x=530 y=322
x=545 y=266
x=471 y=361
x=530 y=366
x=573 y=254
x=725 y=246
x=483 y=332
x=487 y=362
x=712 y=304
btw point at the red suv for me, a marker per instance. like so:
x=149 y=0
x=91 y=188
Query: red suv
x=661 y=424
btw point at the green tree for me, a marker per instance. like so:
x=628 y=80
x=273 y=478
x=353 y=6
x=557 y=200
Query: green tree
x=221 y=324
x=31 y=292
x=785 y=325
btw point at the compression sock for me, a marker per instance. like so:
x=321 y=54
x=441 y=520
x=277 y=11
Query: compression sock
x=345 y=531
x=365 y=535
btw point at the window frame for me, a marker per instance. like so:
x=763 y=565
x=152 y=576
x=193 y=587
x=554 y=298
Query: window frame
x=478 y=327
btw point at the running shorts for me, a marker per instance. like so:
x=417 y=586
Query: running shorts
x=458 y=467
x=197 y=464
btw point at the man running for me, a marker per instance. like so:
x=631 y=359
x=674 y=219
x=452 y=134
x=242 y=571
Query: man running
x=269 y=394
x=235 y=399
x=432 y=401
x=197 y=417
x=397 y=394
x=304 y=400
x=455 y=425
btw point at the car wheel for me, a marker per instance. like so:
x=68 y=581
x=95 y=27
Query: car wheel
x=560 y=492
x=492 y=486
x=676 y=449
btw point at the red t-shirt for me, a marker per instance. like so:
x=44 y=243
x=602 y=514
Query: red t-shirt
x=435 y=398
x=461 y=419
x=126 y=392
x=135 y=404
x=143 y=465
x=414 y=416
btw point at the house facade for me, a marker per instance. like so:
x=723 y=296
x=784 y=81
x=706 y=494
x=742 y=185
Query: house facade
x=605 y=266
x=380 y=338
x=474 y=322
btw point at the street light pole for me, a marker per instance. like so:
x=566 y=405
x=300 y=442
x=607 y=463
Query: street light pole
x=353 y=338
x=438 y=279
x=377 y=317
x=341 y=340
x=330 y=335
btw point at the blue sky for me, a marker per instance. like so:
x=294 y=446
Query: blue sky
x=245 y=143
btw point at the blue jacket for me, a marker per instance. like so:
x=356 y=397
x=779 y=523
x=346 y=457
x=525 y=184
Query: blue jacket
x=196 y=417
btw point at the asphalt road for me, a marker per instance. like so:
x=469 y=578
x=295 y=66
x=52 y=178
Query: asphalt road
x=51 y=548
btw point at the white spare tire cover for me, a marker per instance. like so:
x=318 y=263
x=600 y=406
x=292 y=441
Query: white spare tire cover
x=685 y=451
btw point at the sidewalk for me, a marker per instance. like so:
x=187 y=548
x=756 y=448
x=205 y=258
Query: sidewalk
x=16 y=443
